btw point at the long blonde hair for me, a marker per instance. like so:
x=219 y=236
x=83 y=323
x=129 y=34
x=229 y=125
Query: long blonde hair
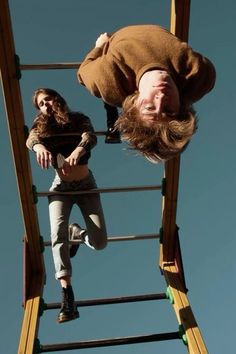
x=164 y=140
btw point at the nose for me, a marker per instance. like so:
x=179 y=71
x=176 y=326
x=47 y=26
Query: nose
x=160 y=100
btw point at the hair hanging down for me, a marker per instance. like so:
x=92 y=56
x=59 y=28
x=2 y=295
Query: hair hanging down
x=163 y=141
x=60 y=109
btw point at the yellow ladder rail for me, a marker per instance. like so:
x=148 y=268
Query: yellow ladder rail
x=34 y=271
x=169 y=259
x=183 y=310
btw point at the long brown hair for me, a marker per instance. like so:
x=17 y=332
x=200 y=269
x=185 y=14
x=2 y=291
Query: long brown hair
x=164 y=140
x=60 y=116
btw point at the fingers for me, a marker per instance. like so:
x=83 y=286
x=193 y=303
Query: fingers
x=66 y=169
x=102 y=39
x=68 y=165
x=72 y=161
x=43 y=156
x=44 y=159
x=103 y=35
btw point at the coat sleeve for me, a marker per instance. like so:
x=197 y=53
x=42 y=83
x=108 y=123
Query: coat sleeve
x=200 y=78
x=33 y=137
x=89 y=69
x=88 y=136
x=101 y=75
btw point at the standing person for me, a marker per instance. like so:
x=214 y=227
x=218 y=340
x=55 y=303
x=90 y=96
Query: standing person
x=63 y=139
x=155 y=78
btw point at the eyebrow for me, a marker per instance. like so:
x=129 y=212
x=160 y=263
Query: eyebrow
x=46 y=98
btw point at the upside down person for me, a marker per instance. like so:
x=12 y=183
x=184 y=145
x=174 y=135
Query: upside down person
x=155 y=78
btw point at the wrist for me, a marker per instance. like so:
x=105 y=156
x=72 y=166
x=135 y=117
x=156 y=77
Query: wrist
x=33 y=146
x=85 y=146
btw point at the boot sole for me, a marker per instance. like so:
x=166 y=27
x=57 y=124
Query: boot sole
x=66 y=318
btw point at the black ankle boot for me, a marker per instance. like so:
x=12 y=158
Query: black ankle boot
x=68 y=310
x=112 y=134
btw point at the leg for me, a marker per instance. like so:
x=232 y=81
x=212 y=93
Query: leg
x=112 y=135
x=68 y=310
x=59 y=212
x=91 y=209
x=112 y=115
x=76 y=233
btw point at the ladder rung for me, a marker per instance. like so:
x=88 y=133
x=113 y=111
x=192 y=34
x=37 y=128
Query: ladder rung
x=100 y=132
x=97 y=132
x=116 y=239
x=48 y=66
x=103 y=190
x=109 y=342
x=108 y=301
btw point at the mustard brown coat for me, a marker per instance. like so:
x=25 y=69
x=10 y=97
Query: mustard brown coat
x=113 y=71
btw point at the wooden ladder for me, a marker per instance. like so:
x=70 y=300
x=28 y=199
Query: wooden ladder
x=170 y=260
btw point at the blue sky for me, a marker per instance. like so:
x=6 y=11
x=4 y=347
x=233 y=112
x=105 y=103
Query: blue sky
x=59 y=31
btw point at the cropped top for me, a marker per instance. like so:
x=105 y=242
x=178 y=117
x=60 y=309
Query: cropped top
x=64 y=138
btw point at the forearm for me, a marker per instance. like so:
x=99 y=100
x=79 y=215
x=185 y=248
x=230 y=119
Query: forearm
x=43 y=155
x=88 y=64
x=88 y=141
x=88 y=137
x=32 y=139
x=201 y=78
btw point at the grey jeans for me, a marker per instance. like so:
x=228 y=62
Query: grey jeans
x=60 y=207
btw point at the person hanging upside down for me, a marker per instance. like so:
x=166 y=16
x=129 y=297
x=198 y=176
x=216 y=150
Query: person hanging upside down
x=155 y=77
x=69 y=155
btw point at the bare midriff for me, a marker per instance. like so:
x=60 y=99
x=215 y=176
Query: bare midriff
x=77 y=173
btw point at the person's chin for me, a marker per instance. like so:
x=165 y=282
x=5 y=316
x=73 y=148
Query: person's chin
x=49 y=110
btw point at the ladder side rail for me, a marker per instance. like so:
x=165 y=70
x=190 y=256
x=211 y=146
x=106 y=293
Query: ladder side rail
x=183 y=310
x=30 y=323
x=170 y=256
x=15 y=119
x=179 y=24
